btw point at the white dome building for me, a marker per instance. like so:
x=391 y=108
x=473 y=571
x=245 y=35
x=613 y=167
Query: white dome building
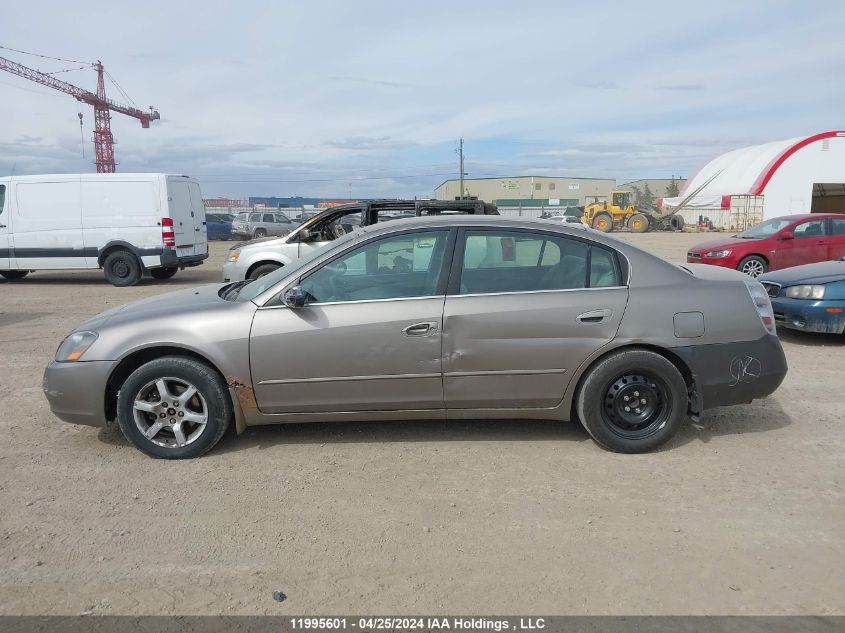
x=745 y=186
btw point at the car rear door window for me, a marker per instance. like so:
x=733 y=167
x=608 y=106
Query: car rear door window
x=394 y=267
x=522 y=261
x=837 y=226
x=813 y=228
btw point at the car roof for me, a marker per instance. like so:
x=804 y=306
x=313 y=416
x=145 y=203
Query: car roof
x=809 y=216
x=433 y=221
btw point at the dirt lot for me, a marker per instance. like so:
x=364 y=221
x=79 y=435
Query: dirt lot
x=745 y=515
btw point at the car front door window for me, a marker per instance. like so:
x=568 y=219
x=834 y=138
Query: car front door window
x=394 y=267
x=813 y=228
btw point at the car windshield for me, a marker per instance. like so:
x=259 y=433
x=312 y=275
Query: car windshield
x=249 y=291
x=764 y=229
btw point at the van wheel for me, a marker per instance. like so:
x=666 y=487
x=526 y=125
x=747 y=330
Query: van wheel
x=122 y=269
x=13 y=274
x=259 y=233
x=163 y=273
x=632 y=401
x=174 y=408
x=260 y=271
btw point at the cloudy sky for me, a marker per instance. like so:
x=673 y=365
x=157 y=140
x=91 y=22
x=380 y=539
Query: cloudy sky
x=320 y=98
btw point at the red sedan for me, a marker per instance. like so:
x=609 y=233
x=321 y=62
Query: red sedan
x=782 y=242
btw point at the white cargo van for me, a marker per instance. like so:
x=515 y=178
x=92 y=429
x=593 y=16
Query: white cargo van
x=125 y=224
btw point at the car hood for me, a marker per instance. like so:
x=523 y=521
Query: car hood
x=264 y=241
x=820 y=273
x=720 y=244
x=176 y=303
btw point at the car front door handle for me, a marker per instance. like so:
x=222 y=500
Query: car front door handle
x=593 y=316
x=420 y=329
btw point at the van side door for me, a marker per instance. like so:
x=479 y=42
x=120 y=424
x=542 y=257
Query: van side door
x=48 y=225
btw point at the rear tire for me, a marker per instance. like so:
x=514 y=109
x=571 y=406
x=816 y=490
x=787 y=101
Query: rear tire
x=12 y=275
x=163 y=273
x=264 y=269
x=626 y=379
x=638 y=223
x=122 y=269
x=259 y=233
x=753 y=266
x=603 y=222
x=150 y=427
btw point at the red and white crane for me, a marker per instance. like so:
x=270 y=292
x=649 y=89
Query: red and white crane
x=103 y=139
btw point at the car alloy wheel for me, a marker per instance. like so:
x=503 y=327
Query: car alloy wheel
x=753 y=268
x=170 y=412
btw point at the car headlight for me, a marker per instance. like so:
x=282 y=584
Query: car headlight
x=74 y=346
x=234 y=255
x=717 y=254
x=805 y=292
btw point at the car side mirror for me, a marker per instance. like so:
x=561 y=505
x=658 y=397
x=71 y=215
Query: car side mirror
x=787 y=235
x=294 y=297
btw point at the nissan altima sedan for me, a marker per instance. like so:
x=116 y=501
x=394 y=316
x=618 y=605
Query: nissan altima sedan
x=445 y=317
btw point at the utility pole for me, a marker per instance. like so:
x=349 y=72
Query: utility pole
x=460 y=153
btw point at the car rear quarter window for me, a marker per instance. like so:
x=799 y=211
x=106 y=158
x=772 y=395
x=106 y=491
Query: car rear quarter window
x=255 y=217
x=2 y=197
x=519 y=261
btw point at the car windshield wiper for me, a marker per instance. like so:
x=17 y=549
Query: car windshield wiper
x=232 y=291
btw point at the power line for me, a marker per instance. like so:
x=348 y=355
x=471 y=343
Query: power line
x=67 y=70
x=58 y=59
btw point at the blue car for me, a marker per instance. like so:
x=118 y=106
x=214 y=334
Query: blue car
x=219 y=226
x=810 y=298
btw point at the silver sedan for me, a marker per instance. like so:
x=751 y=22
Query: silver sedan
x=448 y=317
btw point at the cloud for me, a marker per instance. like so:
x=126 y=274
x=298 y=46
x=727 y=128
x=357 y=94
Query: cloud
x=681 y=87
x=369 y=143
x=373 y=82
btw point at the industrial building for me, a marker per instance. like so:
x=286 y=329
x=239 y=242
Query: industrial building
x=529 y=191
x=745 y=186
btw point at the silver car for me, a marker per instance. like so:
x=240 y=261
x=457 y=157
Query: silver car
x=444 y=317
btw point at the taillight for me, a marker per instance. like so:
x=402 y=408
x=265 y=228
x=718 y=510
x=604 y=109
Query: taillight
x=168 y=237
x=763 y=304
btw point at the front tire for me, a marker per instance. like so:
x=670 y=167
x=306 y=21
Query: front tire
x=174 y=408
x=638 y=223
x=163 y=273
x=646 y=384
x=753 y=266
x=263 y=269
x=122 y=269
x=12 y=275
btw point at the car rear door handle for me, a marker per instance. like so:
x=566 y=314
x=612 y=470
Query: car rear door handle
x=420 y=329
x=594 y=316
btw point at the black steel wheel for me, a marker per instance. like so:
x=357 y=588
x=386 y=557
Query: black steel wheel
x=122 y=268
x=632 y=401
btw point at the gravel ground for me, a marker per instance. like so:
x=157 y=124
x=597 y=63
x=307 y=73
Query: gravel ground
x=742 y=515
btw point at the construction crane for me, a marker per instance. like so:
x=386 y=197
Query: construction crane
x=103 y=139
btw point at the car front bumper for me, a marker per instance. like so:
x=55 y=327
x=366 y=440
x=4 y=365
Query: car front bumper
x=810 y=316
x=233 y=272
x=77 y=391
x=731 y=261
x=734 y=373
